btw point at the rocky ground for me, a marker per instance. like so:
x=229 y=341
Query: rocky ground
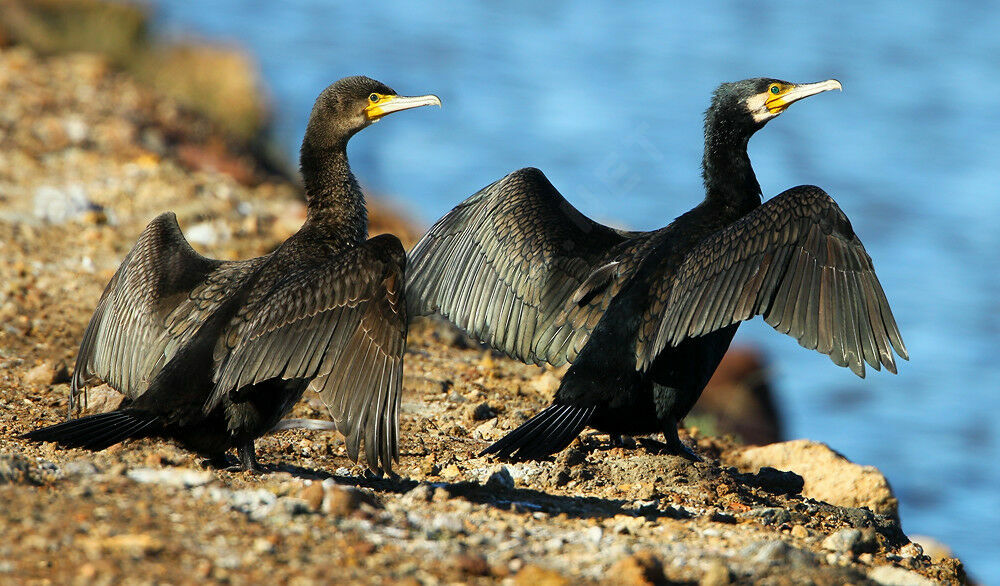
x=88 y=156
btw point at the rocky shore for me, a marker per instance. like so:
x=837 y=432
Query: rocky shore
x=88 y=155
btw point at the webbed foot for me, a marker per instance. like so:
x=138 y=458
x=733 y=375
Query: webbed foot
x=674 y=446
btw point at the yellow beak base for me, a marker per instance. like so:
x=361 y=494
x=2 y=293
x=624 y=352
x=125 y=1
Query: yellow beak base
x=389 y=104
x=776 y=104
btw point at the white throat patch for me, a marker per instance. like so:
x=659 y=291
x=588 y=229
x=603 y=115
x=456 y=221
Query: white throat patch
x=755 y=104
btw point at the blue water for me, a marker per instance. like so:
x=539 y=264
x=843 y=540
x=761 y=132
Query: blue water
x=607 y=99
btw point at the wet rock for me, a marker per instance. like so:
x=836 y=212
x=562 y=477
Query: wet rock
x=828 y=476
x=640 y=569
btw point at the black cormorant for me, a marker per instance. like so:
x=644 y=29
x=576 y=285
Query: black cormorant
x=213 y=353
x=645 y=317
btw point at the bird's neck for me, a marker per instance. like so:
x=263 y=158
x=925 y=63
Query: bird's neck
x=333 y=196
x=730 y=183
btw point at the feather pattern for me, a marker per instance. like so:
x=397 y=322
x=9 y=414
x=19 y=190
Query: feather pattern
x=505 y=265
x=341 y=323
x=804 y=270
x=129 y=336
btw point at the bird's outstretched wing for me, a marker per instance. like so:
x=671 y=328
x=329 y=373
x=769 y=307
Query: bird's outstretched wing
x=796 y=261
x=507 y=265
x=342 y=322
x=125 y=338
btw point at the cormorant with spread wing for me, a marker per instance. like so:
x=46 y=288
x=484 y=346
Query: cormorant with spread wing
x=645 y=317
x=213 y=353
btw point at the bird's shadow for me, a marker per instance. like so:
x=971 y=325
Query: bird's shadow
x=506 y=498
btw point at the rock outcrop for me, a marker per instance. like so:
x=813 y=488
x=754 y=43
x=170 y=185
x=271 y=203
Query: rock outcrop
x=828 y=475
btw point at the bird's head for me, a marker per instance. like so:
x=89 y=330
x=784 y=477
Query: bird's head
x=351 y=104
x=753 y=102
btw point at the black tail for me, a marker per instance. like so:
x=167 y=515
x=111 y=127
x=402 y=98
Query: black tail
x=544 y=434
x=97 y=432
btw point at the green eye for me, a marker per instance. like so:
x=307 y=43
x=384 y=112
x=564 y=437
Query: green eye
x=373 y=98
x=775 y=90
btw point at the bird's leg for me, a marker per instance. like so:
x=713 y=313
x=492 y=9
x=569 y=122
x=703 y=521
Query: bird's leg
x=218 y=460
x=248 y=457
x=675 y=446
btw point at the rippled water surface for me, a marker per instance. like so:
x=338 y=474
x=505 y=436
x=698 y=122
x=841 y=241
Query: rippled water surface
x=607 y=99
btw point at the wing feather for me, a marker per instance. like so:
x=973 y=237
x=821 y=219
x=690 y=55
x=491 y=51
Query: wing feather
x=127 y=338
x=796 y=261
x=343 y=325
x=504 y=265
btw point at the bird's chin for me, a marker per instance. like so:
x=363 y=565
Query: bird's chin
x=764 y=115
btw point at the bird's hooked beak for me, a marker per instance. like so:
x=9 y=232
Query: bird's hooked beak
x=788 y=94
x=389 y=104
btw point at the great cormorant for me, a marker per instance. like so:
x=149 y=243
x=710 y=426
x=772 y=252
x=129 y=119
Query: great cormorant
x=645 y=317
x=213 y=353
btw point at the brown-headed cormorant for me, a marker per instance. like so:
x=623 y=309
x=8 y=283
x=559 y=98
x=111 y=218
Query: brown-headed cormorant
x=645 y=317
x=214 y=353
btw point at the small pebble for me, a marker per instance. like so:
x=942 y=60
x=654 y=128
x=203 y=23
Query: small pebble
x=716 y=575
x=842 y=541
x=500 y=480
